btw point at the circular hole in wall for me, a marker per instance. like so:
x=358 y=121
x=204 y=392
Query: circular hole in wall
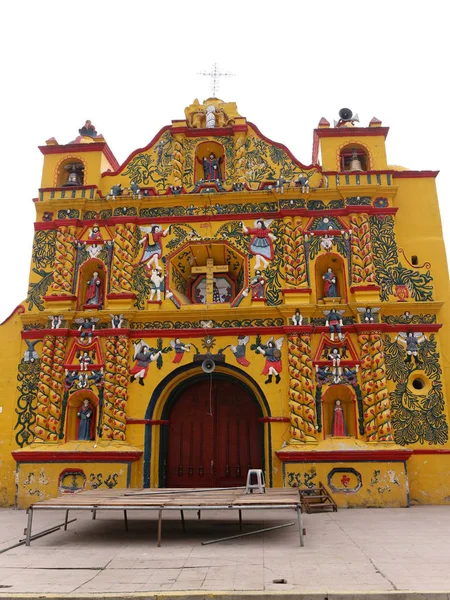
x=418 y=383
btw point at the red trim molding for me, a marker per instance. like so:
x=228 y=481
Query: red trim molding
x=274 y=420
x=352 y=132
x=344 y=455
x=431 y=451
x=414 y=174
x=147 y=421
x=38 y=456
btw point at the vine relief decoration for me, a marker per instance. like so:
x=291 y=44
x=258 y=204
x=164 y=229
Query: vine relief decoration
x=28 y=379
x=393 y=278
x=154 y=166
x=417 y=417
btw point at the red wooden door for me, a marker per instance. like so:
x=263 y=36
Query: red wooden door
x=214 y=436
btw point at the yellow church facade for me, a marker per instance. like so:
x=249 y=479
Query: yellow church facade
x=213 y=305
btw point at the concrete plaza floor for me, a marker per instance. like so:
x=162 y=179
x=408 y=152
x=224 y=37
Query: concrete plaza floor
x=356 y=553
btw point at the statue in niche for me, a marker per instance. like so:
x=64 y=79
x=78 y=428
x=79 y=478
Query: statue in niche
x=338 y=428
x=85 y=414
x=261 y=244
x=211 y=168
x=94 y=294
x=152 y=241
x=330 y=288
x=258 y=285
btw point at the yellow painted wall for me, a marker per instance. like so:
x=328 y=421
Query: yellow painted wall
x=417 y=231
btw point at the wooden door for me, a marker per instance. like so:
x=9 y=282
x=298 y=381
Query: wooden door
x=214 y=435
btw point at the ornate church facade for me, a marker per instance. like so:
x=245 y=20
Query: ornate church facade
x=213 y=304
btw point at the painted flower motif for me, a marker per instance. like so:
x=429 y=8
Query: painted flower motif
x=380 y=202
x=345 y=480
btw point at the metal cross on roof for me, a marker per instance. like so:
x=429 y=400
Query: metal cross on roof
x=215 y=75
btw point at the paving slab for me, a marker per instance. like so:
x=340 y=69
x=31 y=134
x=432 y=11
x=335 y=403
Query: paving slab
x=357 y=554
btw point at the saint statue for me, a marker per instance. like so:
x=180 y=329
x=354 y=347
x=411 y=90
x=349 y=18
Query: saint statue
x=338 y=424
x=330 y=289
x=94 y=294
x=211 y=168
x=85 y=414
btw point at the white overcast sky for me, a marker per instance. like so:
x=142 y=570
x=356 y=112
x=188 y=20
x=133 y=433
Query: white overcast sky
x=131 y=67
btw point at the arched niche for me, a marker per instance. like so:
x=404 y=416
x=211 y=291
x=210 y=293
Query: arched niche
x=86 y=282
x=349 y=156
x=74 y=405
x=204 y=152
x=347 y=397
x=337 y=265
x=70 y=172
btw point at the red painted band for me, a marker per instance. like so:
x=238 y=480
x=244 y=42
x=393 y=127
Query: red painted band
x=38 y=456
x=344 y=455
x=274 y=420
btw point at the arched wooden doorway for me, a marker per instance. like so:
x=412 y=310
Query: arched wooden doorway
x=214 y=434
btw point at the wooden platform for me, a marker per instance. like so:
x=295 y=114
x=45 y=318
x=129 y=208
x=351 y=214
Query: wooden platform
x=160 y=500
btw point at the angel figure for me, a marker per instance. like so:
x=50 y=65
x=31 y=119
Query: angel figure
x=335 y=358
x=334 y=322
x=239 y=350
x=156 y=284
x=152 y=241
x=116 y=321
x=180 y=349
x=85 y=359
x=30 y=354
x=94 y=250
x=55 y=321
x=368 y=314
x=273 y=364
x=261 y=244
x=143 y=357
x=86 y=328
x=297 y=318
x=326 y=242
x=411 y=340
